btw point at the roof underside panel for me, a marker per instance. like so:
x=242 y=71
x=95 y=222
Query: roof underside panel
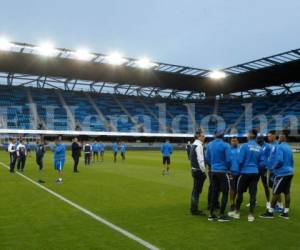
x=259 y=74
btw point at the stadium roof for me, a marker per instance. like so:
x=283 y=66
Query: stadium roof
x=24 y=64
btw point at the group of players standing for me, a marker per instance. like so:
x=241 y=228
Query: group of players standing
x=234 y=170
x=18 y=154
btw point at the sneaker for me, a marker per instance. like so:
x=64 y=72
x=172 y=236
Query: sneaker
x=198 y=213
x=251 y=218
x=285 y=216
x=223 y=218
x=267 y=215
x=234 y=215
x=212 y=218
x=231 y=213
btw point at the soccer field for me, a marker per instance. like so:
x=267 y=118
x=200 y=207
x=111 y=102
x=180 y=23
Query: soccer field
x=134 y=196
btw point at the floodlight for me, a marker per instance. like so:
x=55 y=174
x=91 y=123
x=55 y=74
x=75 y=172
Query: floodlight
x=217 y=74
x=46 y=49
x=83 y=54
x=4 y=44
x=145 y=63
x=115 y=59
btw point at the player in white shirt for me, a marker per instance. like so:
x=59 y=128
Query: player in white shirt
x=12 y=155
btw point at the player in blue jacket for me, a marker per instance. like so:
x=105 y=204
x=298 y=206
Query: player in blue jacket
x=263 y=170
x=166 y=149
x=115 y=149
x=271 y=161
x=95 y=149
x=218 y=158
x=101 y=149
x=250 y=159
x=284 y=170
x=234 y=169
x=123 y=151
x=59 y=158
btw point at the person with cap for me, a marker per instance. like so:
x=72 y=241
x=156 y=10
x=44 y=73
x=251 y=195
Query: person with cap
x=196 y=157
x=284 y=170
x=218 y=159
x=250 y=160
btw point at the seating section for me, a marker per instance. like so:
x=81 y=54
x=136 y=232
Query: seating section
x=107 y=112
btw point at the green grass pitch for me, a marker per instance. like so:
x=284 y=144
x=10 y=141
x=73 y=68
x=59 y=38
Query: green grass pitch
x=135 y=196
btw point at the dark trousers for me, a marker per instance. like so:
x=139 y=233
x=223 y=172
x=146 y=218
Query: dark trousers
x=210 y=194
x=199 y=179
x=87 y=159
x=13 y=160
x=123 y=156
x=247 y=181
x=39 y=162
x=220 y=183
x=76 y=162
x=21 y=162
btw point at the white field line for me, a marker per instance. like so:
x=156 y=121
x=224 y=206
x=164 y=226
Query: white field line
x=89 y=213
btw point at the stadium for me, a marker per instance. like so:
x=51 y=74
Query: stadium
x=55 y=94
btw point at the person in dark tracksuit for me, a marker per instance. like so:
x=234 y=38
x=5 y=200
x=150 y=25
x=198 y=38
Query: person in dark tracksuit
x=21 y=154
x=76 y=153
x=218 y=158
x=12 y=150
x=39 y=157
x=87 y=149
x=196 y=156
x=250 y=160
x=283 y=168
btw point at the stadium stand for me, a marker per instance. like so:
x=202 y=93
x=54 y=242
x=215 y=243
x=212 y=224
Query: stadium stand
x=62 y=110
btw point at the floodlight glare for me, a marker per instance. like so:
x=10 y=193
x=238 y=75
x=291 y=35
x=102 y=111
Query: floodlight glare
x=217 y=75
x=145 y=63
x=4 y=44
x=46 y=49
x=83 y=54
x=115 y=59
